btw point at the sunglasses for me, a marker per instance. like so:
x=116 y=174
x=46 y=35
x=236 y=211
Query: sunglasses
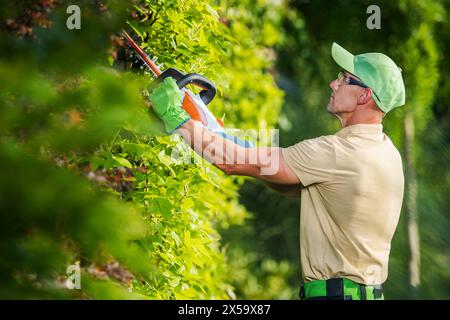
x=343 y=78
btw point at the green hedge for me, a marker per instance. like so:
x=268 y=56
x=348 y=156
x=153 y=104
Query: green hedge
x=89 y=175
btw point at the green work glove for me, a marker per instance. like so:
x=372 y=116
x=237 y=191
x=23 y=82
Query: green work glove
x=166 y=100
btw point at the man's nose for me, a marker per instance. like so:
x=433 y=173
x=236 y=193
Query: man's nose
x=334 y=84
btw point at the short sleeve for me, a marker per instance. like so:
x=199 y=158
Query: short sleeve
x=312 y=160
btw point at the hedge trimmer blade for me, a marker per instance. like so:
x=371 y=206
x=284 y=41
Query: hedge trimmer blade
x=142 y=55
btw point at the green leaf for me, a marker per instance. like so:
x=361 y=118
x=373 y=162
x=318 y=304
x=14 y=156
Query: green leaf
x=137 y=28
x=165 y=207
x=123 y=162
x=96 y=162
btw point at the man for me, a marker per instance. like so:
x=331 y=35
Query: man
x=351 y=183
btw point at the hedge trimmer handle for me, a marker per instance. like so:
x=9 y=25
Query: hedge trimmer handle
x=209 y=89
x=192 y=104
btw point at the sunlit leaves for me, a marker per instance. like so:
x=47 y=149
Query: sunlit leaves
x=90 y=175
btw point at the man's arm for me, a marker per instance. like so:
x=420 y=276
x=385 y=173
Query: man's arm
x=264 y=163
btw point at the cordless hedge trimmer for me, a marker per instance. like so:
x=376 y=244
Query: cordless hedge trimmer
x=194 y=105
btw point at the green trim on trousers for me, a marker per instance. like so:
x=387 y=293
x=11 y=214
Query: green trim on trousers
x=318 y=288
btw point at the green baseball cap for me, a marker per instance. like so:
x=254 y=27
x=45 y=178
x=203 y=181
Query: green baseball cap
x=378 y=72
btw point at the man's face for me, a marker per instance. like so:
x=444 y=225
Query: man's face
x=344 y=97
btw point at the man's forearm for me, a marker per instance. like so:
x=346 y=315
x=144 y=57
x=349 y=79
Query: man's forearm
x=263 y=163
x=211 y=146
x=228 y=156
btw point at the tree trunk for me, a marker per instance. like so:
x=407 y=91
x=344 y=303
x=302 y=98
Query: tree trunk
x=411 y=205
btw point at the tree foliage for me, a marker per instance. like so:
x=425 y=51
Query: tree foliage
x=91 y=178
x=412 y=34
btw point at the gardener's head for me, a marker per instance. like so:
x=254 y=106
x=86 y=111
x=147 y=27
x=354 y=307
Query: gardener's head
x=368 y=86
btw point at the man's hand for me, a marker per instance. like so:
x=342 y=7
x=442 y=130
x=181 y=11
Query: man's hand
x=166 y=100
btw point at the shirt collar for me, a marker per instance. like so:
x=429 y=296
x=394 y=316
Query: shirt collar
x=358 y=129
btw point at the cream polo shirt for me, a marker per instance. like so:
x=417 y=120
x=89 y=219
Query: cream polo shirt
x=351 y=197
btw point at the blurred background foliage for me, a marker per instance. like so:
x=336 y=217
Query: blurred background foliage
x=88 y=176
x=412 y=33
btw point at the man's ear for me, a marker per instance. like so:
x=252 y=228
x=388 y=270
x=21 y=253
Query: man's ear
x=365 y=96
